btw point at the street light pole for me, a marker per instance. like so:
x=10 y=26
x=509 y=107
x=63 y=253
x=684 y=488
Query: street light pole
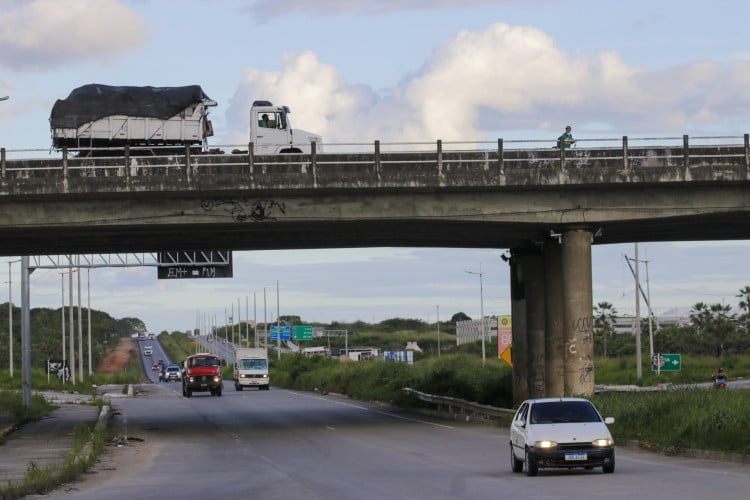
x=4 y=98
x=481 y=309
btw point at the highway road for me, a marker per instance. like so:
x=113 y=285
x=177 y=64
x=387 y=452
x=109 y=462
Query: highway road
x=283 y=444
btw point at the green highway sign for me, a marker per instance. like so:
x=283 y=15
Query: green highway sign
x=302 y=332
x=666 y=362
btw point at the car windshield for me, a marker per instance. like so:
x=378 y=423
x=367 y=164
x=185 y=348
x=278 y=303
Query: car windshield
x=253 y=364
x=205 y=362
x=555 y=412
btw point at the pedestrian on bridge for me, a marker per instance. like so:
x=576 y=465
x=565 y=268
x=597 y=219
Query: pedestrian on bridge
x=566 y=139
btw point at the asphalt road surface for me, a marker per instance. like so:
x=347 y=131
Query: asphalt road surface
x=282 y=444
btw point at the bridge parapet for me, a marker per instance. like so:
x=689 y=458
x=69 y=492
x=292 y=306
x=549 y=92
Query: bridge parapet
x=438 y=169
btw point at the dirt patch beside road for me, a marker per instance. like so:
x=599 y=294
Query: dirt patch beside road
x=117 y=361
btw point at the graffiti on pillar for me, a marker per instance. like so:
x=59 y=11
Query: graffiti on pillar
x=586 y=375
x=571 y=348
x=537 y=384
x=583 y=324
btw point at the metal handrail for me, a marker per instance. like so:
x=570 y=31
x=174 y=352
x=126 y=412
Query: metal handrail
x=486 y=410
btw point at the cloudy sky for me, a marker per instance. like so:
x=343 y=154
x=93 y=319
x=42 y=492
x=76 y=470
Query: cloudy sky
x=394 y=70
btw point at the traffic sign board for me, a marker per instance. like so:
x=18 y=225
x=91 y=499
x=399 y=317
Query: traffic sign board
x=285 y=332
x=303 y=332
x=666 y=362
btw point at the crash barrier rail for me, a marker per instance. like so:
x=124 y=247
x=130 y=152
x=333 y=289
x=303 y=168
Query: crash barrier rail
x=459 y=406
x=630 y=153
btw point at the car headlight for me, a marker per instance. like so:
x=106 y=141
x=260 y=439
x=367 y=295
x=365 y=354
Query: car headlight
x=545 y=444
x=603 y=442
x=217 y=378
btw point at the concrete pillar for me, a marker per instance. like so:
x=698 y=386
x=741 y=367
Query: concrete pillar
x=532 y=277
x=578 y=313
x=518 y=318
x=553 y=316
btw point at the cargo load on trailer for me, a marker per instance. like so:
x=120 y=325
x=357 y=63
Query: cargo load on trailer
x=96 y=116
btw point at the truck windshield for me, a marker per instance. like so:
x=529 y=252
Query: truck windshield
x=253 y=364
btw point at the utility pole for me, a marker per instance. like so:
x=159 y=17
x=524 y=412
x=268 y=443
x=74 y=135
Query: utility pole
x=80 y=324
x=88 y=291
x=637 y=325
x=481 y=306
x=71 y=337
x=26 y=331
x=437 y=315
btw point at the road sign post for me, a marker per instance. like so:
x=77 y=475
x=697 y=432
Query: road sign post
x=666 y=363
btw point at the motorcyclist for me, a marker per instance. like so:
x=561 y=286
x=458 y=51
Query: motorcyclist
x=719 y=378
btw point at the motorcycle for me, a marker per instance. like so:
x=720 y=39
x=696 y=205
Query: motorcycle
x=720 y=382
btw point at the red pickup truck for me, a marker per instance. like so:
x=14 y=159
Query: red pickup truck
x=201 y=373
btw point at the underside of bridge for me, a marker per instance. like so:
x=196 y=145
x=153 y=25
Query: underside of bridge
x=552 y=310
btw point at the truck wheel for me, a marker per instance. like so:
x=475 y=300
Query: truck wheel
x=218 y=392
x=188 y=393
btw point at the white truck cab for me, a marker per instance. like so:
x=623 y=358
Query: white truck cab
x=271 y=131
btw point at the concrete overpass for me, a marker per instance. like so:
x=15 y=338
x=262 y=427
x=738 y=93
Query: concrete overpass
x=546 y=205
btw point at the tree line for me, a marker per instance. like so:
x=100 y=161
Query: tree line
x=711 y=329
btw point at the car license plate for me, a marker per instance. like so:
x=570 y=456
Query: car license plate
x=576 y=456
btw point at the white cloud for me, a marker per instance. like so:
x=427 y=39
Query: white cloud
x=503 y=78
x=264 y=9
x=44 y=34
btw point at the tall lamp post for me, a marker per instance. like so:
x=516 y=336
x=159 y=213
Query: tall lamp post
x=4 y=98
x=481 y=309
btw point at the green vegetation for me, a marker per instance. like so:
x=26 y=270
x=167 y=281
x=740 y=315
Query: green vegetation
x=672 y=421
x=88 y=445
x=46 y=338
x=177 y=345
x=458 y=375
x=11 y=407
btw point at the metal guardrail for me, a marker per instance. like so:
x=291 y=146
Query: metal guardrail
x=462 y=405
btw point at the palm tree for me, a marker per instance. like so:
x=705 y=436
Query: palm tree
x=714 y=322
x=744 y=304
x=604 y=322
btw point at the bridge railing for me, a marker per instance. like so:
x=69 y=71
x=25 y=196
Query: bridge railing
x=428 y=161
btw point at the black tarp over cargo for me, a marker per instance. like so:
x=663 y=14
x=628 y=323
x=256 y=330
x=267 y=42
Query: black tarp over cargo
x=92 y=102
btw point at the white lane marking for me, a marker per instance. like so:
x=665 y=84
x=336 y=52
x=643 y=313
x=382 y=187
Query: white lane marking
x=370 y=409
x=330 y=401
x=415 y=420
x=330 y=428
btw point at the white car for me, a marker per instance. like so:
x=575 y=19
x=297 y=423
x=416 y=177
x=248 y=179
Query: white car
x=560 y=433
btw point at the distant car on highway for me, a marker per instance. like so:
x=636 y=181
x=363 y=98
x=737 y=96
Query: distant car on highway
x=560 y=433
x=171 y=372
x=155 y=367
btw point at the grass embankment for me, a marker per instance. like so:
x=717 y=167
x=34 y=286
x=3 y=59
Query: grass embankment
x=673 y=421
x=89 y=440
x=455 y=375
x=178 y=346
x=669 y=421
x=88 y=445
x=694 y=369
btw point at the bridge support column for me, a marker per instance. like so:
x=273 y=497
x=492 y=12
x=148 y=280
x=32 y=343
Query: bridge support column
x=527 y=293
x=554 y=344
x=578 y=312
x=533 y=274
x=518 y=328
